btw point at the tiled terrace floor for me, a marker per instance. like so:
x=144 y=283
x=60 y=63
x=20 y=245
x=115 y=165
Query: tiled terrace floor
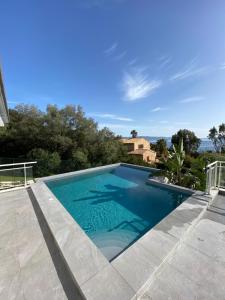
x=196 y=270
x=29 y=267
x=26 y=267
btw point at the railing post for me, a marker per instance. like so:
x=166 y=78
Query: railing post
x=207 y=181
x=210 y=179
x=219 y=180
x=216 y=170
x=25 y=175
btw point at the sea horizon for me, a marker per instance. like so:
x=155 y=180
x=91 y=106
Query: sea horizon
x=206 y=144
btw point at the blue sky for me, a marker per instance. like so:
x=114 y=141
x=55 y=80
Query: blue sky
x=153 y=66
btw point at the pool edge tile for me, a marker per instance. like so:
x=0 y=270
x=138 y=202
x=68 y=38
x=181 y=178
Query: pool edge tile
x=136 y=265
x=108 y=284
x=85 y=253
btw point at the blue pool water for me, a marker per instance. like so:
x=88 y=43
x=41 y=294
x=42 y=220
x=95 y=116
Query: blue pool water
x=115 y=207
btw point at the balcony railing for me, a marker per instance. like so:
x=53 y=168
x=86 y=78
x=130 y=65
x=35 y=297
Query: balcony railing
x=215 y=176
x=16 y=174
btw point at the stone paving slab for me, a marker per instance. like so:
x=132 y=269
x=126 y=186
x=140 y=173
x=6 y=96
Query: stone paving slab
x=196 y=270
x=117 y=288
x=136 y=265
x=158 y=243
x=171 y=284
x=172 y=225
x=27 y=270
x=190 y=210
x=201 y=269
x=81 y=255
x=208 y=238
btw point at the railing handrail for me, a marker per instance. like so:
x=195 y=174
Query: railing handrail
x=214 y=171
x=18 y=164
x=23 y=165
x=215 y=162
x=11 y=169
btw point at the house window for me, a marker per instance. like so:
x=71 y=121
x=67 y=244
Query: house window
x=141 y=146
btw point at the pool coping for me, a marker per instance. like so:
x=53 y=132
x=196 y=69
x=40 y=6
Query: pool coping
x=128 y=274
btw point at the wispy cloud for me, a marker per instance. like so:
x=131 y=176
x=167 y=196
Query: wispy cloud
x=111 y=117
x=111 y=49
x=137 y=85
x=164 y=61
x=191 y=99
x=189 y=70
x=120 y=56
x=158 y=108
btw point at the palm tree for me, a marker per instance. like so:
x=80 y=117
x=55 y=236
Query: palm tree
x=179 y=156
x=134 y=133
x=174 y=164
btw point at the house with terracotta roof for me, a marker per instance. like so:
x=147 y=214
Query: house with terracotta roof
x=140 y=147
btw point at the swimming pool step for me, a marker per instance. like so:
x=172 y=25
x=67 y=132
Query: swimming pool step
x=112 y=243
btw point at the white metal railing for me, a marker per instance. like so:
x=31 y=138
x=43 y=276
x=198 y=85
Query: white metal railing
x=215 y=178
x=20 y=176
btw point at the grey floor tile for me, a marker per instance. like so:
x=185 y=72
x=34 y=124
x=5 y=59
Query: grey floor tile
x=201 y=269
x=173 y=226
x=158 y=243
x=107 y=284
x=38 y=279
x=136 y=265
x=9 y=264
x=10 y=288
x=173 y=285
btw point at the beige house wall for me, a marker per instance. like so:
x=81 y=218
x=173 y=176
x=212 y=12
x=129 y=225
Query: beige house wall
x=142 y=147
x=149 y=156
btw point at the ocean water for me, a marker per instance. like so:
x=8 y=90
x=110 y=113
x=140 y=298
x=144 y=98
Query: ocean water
x=206 y=144
x=115 y=207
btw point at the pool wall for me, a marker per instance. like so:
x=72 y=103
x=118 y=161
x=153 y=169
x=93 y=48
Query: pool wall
x=131 y=272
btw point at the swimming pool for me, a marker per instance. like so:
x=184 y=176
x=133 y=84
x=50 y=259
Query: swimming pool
x=115 y=207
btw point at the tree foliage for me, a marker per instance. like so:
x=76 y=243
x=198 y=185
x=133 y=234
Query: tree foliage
x=161 y=148
x=48 y=163
x=133 y=133
x=175 y=162
x=59 y=139
x=218 y=137
x=190 y=140
x=179 y=156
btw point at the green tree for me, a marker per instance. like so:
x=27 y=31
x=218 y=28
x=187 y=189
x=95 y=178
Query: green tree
x=62 y=140
x=47 y=163
x=161 y=148
x=174 y=164
x=190 y=141
x=22 y=134
x=179 y=156
x=218 y=137
x=133 y=133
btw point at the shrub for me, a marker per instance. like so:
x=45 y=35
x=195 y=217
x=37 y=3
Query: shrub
x=47 y=163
